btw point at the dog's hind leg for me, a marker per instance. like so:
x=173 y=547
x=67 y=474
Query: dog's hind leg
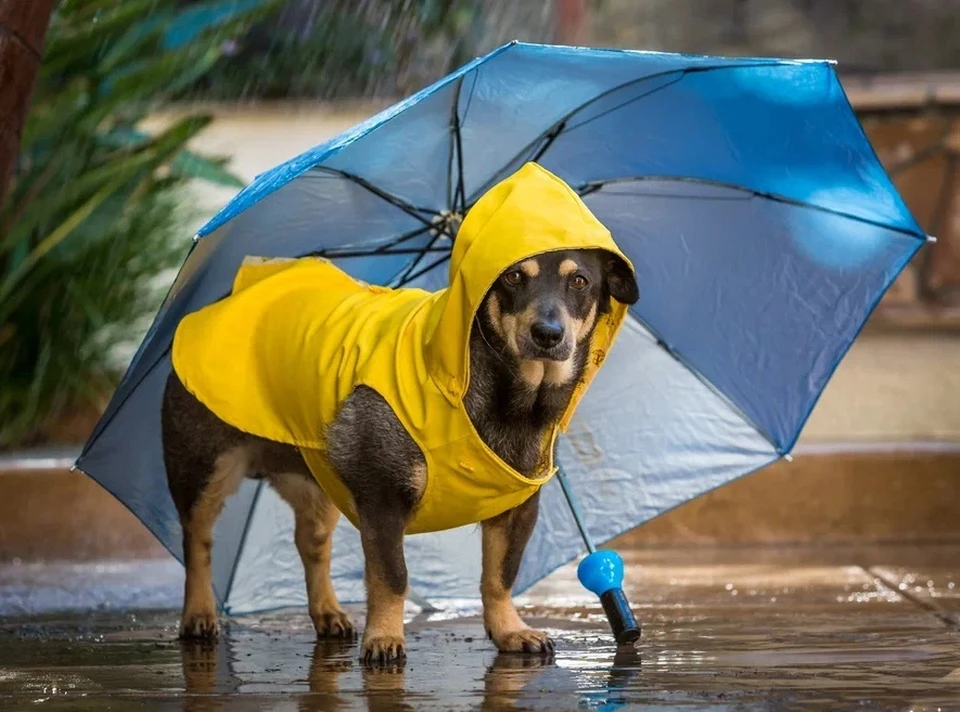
x=199 y=606
x=206 y=460
x=316 y=516
x=504 y=539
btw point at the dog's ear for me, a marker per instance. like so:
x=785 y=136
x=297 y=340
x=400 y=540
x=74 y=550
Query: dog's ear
x=621 y=284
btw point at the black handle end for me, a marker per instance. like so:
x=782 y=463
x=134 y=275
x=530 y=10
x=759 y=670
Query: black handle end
x=626 y=630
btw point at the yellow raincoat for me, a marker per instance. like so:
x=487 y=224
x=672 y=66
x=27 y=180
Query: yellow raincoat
x=278 y=357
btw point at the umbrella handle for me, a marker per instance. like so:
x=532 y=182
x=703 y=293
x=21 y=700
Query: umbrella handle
x=602 y=573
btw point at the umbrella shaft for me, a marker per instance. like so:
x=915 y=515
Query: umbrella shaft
x=575 y=510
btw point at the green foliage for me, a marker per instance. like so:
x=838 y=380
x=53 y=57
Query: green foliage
x=97 y=207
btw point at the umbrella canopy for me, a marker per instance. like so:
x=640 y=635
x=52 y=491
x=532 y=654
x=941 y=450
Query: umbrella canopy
x=762 y=227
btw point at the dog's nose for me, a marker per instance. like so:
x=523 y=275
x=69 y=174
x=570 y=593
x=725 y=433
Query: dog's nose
x=546 y=334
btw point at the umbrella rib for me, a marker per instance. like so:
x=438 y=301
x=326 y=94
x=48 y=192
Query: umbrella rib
x=654 y=90
x=594 y=186
x=456 y=150
x=349 y=254
x=563 y=120
x=384 y=249
x=454 y=131
x=564 y=128
x=423 y=253
x=410 y=209
x=424 y=270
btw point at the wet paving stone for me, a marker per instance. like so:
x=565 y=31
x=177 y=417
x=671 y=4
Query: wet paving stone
x=803 y=631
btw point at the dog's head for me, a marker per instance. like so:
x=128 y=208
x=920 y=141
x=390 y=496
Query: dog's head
x=542 y=308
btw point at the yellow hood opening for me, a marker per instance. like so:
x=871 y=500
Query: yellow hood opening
x=279 y=356
x=528 y=213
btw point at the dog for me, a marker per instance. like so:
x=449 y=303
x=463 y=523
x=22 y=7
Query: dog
x=527 y=350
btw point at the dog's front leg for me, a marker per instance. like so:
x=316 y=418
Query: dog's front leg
x=381 y=534
x=504 y=539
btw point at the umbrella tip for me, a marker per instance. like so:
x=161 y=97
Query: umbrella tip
x=931 y=238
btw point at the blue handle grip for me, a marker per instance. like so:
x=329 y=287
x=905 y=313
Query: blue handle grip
x=602 y=573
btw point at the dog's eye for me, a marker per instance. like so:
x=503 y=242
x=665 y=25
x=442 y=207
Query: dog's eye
x=513 y=277
x=579 y=281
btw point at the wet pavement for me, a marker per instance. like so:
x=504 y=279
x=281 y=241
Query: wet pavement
x=724 y=629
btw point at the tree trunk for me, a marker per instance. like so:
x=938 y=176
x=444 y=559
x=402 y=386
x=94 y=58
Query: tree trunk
x=23 y=25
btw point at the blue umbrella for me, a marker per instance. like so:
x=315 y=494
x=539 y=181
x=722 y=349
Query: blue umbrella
x=762 y=227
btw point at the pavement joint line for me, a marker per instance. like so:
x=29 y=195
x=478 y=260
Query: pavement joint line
x=927 y=604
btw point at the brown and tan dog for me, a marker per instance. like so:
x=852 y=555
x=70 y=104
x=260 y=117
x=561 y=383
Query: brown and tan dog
x=527 y=350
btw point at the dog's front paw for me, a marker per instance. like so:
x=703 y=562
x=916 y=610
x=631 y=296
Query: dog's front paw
x=333 y=624
x=199 y=625
x=383 y=650
x=524 y=640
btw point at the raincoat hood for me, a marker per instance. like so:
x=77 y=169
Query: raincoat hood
x=528 y=213
x=281 y=354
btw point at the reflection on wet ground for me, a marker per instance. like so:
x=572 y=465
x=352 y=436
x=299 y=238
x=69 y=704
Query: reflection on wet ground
x=734 y=630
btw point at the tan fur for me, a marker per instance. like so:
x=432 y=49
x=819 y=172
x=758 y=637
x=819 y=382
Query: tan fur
x=532 y=371
x=510 y=328
x=516 y=324
x=530 y=267
x=315 y=517
x=568 y=267
x=493 y=311
x=582 y=326
x=500 y=617
x=418 y=478
x=535 y=372
x=383 y=633
x=199 y=605
x=557 y=373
